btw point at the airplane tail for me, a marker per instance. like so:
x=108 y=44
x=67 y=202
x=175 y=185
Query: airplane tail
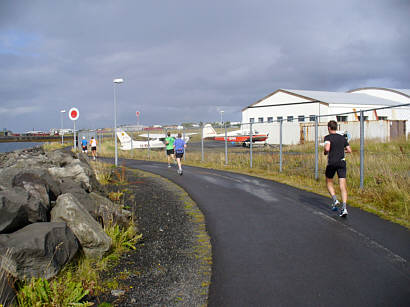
x=124 y=138
x=208 y=131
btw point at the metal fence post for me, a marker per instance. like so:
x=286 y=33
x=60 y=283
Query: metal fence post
x=250 y=144
x=361 y=149
x=316 y=148
x=226 y=145
x=202 y=143
x=183 y=137
x=148 y=146
x=280 y=145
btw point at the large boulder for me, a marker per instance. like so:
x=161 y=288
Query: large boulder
x=61 y=157
x=37 y=250
x=94 y=241
x=78 y=191
x=13 y=214
x=18 y=209
x=109 y=212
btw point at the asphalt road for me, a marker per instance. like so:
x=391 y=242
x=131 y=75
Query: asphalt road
x=274 y=245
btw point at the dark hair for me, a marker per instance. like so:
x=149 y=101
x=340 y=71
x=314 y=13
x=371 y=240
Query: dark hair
x=179 y=134
x=332 y=125
x=168 y=133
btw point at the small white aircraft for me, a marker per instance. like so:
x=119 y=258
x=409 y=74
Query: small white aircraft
x=241 y=137
x=154 y=140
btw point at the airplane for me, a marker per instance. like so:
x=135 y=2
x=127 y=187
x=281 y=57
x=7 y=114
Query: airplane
x=238 y=136
x=154 y=141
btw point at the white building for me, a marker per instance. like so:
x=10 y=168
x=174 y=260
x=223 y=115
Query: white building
x=298 y=107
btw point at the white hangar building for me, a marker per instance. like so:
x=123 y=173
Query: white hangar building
x=297 y=109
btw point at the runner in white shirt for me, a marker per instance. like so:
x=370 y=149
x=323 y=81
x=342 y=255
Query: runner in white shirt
x=93 y=144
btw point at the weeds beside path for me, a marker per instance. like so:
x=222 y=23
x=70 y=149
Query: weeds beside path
x=172 y=264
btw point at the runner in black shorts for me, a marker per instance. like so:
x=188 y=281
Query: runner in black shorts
x=335 y=147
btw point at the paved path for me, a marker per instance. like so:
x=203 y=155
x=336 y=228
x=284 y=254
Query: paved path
x=274 y=245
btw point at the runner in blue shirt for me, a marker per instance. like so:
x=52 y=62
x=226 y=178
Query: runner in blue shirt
x=84 y=144
x=179 y=146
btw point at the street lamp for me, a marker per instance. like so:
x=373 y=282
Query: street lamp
x=116 y=81
x=62 y=130
x=221 y=117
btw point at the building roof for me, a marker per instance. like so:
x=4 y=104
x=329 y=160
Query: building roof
x=334 y=98
x=404 y=92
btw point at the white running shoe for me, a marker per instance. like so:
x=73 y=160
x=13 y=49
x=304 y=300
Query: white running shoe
x=343 y=212
x=169 y=165
x=335 y=205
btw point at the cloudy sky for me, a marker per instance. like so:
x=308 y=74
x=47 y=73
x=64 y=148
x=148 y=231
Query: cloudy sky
x=185 y=60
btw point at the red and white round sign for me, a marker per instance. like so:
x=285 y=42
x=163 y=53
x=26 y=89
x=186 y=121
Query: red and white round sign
x=73 y=114
x=138 y=113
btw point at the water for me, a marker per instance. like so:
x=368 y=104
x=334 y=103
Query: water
x=11 y=146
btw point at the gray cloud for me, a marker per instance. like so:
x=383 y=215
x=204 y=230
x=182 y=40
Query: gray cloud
x=186 y=60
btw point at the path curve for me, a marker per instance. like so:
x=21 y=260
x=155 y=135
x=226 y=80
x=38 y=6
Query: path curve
x=275 y=245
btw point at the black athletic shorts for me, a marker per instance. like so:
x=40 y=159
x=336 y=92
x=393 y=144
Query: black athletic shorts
x=179 y=155
x=170 y=152
x=340 y=168
x=93 y=148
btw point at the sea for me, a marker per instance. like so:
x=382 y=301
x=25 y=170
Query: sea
x=11 y=146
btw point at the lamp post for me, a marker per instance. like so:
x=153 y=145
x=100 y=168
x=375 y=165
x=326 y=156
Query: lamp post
x=116 y=81
x=222 y=112
x=62 y=129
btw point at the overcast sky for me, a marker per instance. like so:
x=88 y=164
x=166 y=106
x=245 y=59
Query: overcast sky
x=184 y=61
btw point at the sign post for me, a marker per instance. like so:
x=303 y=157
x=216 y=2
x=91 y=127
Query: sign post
x=138 y=118
x=74 y=114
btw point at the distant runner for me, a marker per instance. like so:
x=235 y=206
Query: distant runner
x=335 y=147
x=169 y=141
x=179 y=146
x=84 y=144
x=93 y=144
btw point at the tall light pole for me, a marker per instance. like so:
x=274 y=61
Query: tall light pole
x=62 y=129
x=116 y=81
x=221 y=117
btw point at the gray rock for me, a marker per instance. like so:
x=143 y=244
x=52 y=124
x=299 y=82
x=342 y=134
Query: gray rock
x=34 y=185
x=78 y=191
x=74 y=171
x=13 y=214
x=37 y=250
x=94 y=241
x=109 y=212
x=61 y=157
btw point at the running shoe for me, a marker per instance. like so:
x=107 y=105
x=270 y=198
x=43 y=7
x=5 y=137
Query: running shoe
x=343 y=212
x=169 y=165
x=180 y=173
x=335 y=205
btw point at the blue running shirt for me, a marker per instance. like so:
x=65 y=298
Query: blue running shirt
x=179 y=145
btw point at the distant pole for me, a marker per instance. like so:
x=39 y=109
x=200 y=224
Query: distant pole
x=316 y=147
x=62 y=129
x=75 y=143
x=250 y=145
x=183 y=137
x=202 y=142
x=148 y=145
x=361 y=149
x=226 y=146
x=116 y=81
x=280 y=145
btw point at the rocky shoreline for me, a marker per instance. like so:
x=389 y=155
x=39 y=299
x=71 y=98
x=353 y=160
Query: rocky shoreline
x=52 y=207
